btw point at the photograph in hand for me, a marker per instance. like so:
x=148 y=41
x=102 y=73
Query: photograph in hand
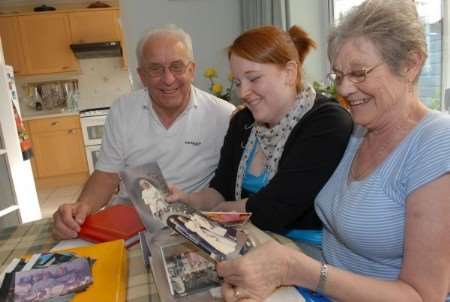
x=229 y=218
x=209 y=238
x=153 y=198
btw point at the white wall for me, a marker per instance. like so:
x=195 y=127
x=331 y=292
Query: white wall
x=312 y=16
x=213 y=25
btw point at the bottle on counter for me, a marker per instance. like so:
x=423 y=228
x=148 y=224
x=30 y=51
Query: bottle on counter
x=73 y=96
x=72 y=101
x=37 y=100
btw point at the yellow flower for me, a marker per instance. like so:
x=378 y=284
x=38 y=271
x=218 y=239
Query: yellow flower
x=210 y=72
x=216 y=88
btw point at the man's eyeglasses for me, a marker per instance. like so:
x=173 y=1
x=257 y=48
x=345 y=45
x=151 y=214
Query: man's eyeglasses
x=177 y=68
x=355 y=76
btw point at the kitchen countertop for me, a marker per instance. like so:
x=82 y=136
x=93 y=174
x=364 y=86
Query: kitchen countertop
x=32 y=115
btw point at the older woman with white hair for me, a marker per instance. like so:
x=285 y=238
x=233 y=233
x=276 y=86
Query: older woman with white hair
x=386 y=209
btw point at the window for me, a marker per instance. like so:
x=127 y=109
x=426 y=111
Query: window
x=432 y=81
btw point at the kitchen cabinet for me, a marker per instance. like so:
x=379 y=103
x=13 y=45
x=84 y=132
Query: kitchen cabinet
x=122 y=39
x=39 y=43
x=97 y=25
x=94 y=26
x=12 y=45
x=59 y=157
x=46 y=39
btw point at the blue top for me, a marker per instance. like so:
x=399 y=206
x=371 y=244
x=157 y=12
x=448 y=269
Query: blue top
x=252 y=183
x=364 y=220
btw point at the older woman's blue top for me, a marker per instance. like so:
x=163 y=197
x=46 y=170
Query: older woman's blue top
x=364 y=220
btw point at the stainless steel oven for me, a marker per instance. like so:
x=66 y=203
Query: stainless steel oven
x=92 y=126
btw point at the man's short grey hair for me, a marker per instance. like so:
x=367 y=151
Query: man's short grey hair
x=170 y=29
x=393 y=26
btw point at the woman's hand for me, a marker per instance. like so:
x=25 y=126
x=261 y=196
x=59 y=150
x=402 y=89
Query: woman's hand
x=256 y=275
x=231 y=206
x=176 y=194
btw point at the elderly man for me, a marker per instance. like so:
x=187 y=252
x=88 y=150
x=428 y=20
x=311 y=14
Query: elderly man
x=169 y=121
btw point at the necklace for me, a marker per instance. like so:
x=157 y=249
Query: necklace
x=373 y=150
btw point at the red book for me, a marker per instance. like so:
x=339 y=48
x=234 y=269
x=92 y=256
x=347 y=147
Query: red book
x=113 y=223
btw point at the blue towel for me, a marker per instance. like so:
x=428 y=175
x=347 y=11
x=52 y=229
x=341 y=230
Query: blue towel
x=308 y=236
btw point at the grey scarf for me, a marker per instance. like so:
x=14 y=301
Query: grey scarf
x=272 y=140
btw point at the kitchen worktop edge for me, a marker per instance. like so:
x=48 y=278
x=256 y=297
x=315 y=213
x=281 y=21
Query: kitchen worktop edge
x=48 y=115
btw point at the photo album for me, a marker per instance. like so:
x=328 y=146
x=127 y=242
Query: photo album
x=148 y=189
x=184 y=243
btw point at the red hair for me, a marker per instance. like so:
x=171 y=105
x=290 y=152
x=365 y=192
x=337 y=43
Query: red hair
x=271 y=45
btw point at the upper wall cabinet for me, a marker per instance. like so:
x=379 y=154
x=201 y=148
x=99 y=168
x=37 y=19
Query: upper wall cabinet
x=122 y=38
x=39 y=43
x=12 y=45
x=94 y=26
x=46 y=39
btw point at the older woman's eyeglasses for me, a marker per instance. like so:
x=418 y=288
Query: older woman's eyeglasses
x=355 y=76
x=177 y=68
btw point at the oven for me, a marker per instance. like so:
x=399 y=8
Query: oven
x=92 y=153
x=92 y=126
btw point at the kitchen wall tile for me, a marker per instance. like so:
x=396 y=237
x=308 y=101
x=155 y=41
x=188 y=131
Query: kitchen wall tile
x=100 y=80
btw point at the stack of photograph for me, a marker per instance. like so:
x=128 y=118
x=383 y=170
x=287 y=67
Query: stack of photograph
x=46 y=277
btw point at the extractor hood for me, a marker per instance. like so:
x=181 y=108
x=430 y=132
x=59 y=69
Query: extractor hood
x=97 y=50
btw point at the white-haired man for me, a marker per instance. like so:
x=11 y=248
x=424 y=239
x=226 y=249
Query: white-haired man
x=169 y=121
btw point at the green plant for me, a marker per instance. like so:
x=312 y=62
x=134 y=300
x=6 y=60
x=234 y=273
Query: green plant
x=328 y=90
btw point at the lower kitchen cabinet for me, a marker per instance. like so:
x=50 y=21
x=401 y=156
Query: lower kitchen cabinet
x=59 y=157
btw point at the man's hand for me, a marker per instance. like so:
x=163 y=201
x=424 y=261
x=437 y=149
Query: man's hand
x=68 y=219
x=96 y=193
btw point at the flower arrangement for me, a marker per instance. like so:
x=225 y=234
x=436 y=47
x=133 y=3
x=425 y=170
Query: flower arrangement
x=215 y=87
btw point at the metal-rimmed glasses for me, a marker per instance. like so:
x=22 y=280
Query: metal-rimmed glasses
x=355 y=76
x=177 y=68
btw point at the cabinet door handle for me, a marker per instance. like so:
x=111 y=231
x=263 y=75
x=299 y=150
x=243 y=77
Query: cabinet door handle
x=54 y=123
x=70 y=131
x=65 y=67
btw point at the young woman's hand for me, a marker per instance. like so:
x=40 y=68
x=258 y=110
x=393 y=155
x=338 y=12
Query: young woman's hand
x=176 y=194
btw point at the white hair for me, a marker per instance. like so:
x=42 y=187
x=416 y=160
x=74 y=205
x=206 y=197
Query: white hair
x=393 y=26
x=169 y=29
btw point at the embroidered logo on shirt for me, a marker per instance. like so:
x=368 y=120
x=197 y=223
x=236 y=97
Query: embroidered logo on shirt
x=192 y=143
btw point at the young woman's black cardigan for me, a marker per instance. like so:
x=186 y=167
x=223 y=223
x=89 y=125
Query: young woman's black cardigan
x=311 y=154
